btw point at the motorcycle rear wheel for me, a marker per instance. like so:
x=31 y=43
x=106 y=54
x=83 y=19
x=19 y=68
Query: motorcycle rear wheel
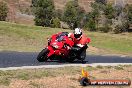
x=71 y=57
x=82 y=55
x=43 y=55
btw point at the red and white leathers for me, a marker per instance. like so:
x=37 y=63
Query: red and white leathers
x=83 y=40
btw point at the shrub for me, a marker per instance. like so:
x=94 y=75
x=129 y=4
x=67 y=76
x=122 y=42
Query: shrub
x=105 y=29
x=91 y=25
x=101 y=1
x=55 y=23
x=122 y=26
x=3 y=11
x=117 y=29
x=43 y=11
x=58 y=13
x=109 y=11
x=130 y=14
x=73 y=14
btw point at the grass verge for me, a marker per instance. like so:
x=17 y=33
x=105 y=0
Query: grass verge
x=44 y=77
x=15 y=37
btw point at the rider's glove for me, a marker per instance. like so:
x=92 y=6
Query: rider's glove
x=68 y=47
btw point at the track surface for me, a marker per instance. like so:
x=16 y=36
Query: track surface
x=19 y=59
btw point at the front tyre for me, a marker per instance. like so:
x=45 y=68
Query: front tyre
x=43 y=55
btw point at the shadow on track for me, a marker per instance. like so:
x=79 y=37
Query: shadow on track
x=18 y=59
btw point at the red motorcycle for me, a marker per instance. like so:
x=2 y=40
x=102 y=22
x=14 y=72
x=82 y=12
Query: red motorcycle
x=59 y=45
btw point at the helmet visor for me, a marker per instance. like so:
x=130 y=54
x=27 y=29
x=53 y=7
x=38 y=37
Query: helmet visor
x=77 y=35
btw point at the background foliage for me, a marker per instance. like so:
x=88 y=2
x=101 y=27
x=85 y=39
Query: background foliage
x=3 y=11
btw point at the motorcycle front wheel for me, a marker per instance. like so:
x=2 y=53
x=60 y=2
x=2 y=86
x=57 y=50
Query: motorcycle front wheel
x=43 y=55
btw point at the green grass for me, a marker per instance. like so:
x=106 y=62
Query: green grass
x=112 y=42
x=119 y=67
x=99 y=67
x=90 y=68
x=5 y=81
x=16 y=37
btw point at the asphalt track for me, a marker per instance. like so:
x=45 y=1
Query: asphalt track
x=20 y=59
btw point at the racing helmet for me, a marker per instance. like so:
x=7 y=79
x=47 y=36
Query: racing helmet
x=77 y=33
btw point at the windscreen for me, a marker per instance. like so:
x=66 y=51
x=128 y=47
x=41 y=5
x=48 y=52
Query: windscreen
x=61 y=36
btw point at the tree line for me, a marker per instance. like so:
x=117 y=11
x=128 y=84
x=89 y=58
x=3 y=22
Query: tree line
x=103 y=17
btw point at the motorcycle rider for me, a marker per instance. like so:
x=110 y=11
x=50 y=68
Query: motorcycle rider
x=78 y=37
x=80 y=42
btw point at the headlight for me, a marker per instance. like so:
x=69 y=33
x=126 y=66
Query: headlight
x=55 y=46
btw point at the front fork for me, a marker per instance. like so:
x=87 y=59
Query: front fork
x=62 y=52
x=51 y=51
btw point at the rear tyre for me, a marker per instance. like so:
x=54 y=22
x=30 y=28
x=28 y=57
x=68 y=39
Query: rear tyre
x=71 y=60
x=82 y=56
x=71 y=57
x=43 y=55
